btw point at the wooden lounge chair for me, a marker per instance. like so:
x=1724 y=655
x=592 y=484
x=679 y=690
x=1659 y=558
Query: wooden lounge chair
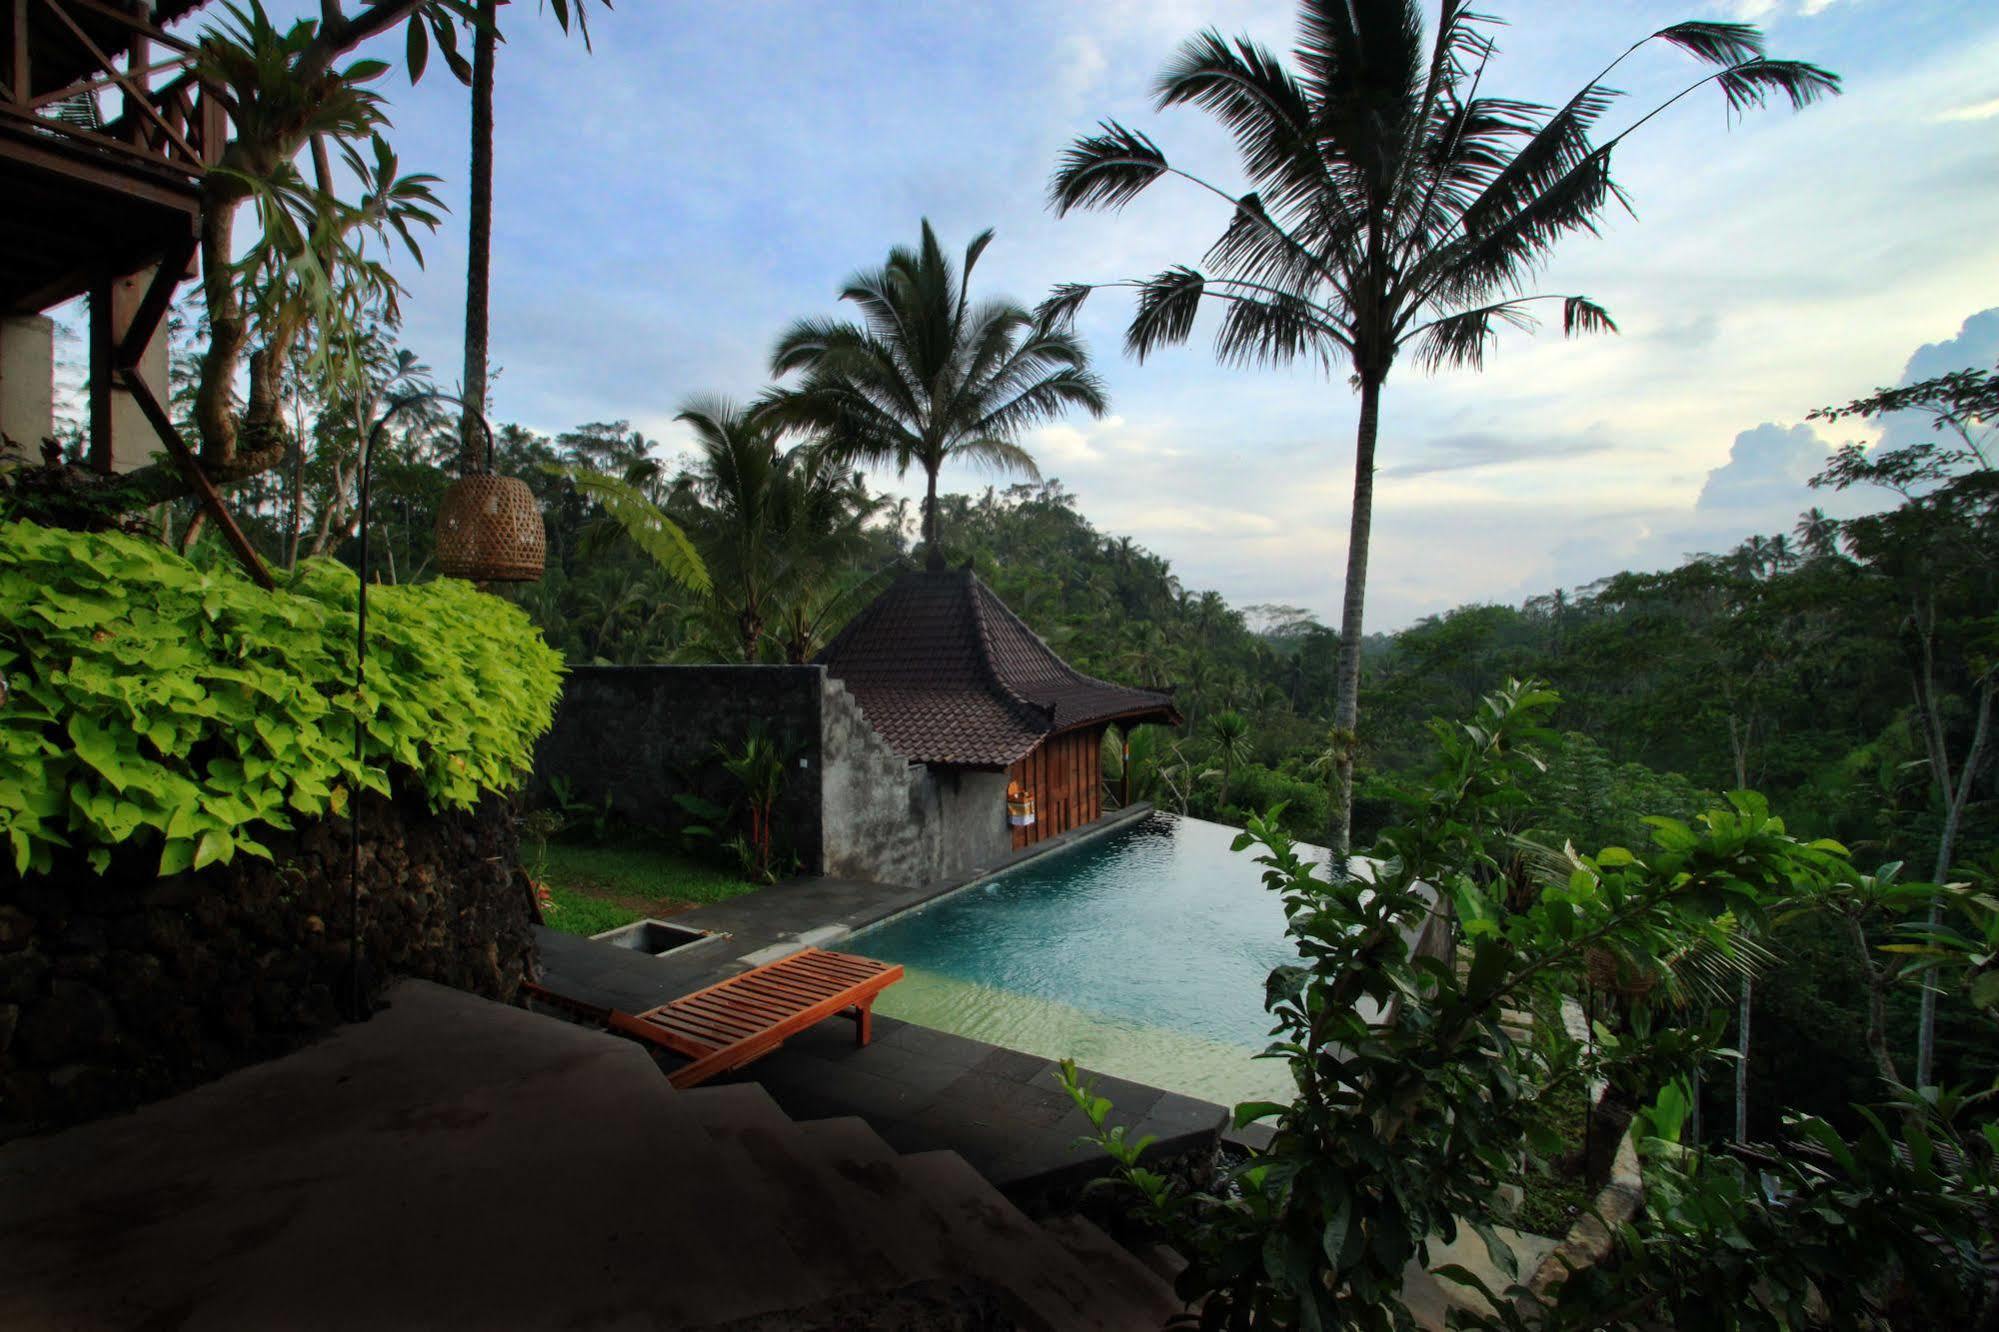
x=746 y=1017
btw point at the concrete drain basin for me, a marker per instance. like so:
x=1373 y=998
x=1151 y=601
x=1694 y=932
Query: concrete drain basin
x=655 y=938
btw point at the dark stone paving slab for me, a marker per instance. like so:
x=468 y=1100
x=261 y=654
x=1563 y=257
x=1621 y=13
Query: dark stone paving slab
x=920 y=1089
x=1002 y=1110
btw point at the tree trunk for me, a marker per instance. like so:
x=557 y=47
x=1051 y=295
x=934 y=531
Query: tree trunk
x=1346 y=705
x=932 y=557
x=479 y=242
x=1742 y=1063
x=1955 y=799
x=1877 y=1003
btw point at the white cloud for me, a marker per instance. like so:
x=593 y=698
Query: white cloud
x=1973 y=111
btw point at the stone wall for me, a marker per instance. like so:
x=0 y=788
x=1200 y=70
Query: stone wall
x=972 y=827
x=120 y=988
x=639 y=735
x=879 y=821
x=852 y=807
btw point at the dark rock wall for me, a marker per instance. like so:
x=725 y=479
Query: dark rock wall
x=119 y=988
x=640 y=735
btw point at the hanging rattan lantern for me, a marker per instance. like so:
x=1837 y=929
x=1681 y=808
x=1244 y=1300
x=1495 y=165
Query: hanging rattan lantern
x=489 y=530
x=489 y=527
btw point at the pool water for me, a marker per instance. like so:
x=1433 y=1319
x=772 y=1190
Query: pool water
x=1141 y=954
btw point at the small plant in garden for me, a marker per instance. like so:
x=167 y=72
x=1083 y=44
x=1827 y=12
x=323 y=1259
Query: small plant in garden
x=758 y=768
x=575 y=815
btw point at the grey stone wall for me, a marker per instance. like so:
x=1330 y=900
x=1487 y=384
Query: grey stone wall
x=879 y=820
x=122 y=987
x=972 y=828
x=642 y=734
x=856 y=809
x=899 y=822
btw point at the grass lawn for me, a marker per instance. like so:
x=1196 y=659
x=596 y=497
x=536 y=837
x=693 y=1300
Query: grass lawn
x=600 y=886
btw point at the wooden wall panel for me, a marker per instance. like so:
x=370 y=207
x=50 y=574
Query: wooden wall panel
x=1063 y=774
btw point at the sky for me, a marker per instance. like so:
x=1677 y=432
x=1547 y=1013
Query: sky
x=670 y=200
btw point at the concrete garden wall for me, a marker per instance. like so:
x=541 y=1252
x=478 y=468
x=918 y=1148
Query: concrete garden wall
x=120 y=988
x=851 y=808
x=640 y=735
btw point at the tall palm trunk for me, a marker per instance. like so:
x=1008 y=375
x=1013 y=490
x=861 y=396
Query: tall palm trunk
x=1747 y=1002
x=1742 y=1014
x=479 y=240
x=1346 y=703
x=1954 y=799
x=932 y=557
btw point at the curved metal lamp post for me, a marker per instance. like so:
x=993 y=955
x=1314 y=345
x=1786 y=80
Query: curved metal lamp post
x=481 y=488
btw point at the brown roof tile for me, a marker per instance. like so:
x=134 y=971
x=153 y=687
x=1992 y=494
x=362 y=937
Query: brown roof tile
x=947 y=674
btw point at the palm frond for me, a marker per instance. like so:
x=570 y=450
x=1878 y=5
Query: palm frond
x=1273 y=328
x=1167 y=304
x=1582 y=315
x=1059 y=310
x=1248 y=89
x=1751 y=84
x=650 y=530
x=1716 y=43
x=1106 y=170
x=1461 y=340
x=999 y=455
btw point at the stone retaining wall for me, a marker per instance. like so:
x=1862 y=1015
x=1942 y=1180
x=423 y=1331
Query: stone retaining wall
x=120 y=988
x=637 y=736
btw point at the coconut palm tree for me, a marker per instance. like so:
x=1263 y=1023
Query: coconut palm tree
x=1230 y=733
x=479 y=215
x=1818 y=533
x=478 y=239
x=775 y=528
x=1393 y=208
x=929 y=375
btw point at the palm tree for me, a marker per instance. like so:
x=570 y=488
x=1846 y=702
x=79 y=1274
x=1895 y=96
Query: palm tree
x=479 y=238
x=929 y=375
x=479 y=216
x=1230 y=732
x=1817 y=533
x=774 y=527
x=1393 y=207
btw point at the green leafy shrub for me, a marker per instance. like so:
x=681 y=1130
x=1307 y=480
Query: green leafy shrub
x=150 y=698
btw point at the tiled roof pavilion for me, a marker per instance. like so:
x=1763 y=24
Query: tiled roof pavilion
x=947 y=674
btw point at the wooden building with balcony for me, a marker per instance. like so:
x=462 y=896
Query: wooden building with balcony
x=105 y=132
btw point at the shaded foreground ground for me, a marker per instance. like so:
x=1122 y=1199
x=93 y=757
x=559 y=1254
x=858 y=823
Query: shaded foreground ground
x=454 y=1162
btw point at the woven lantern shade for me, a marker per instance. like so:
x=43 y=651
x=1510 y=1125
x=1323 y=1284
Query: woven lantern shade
x=489 y=530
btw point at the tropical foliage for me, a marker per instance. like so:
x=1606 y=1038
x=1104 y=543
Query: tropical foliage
x=162 y=705
x=1393 y=208
x=1414 y=1103
x=930 y=376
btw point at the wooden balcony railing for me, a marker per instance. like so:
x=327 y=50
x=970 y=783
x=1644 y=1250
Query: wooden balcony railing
x=58 y=58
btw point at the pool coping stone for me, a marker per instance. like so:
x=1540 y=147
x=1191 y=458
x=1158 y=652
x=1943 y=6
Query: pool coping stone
x=921 y=1089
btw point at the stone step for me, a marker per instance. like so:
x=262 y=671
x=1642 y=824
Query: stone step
x=885 y=1202
x=931 y=1242
x=1000 y=1244
x=1163 y=1260
x=833 y=1230
x=1103 y=1257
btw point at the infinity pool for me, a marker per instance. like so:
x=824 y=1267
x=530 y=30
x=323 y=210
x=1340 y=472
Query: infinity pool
x=1141 y=954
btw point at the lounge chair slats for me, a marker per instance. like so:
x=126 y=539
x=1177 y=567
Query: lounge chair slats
x=746 y=1017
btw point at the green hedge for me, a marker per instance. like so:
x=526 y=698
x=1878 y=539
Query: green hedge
x=149 y=698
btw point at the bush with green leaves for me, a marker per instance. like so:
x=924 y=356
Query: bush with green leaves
x=153 y=701
x=1403 y=1130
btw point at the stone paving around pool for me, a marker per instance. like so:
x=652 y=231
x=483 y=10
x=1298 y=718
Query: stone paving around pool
x=920 y=1089
x=1003 y=1111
